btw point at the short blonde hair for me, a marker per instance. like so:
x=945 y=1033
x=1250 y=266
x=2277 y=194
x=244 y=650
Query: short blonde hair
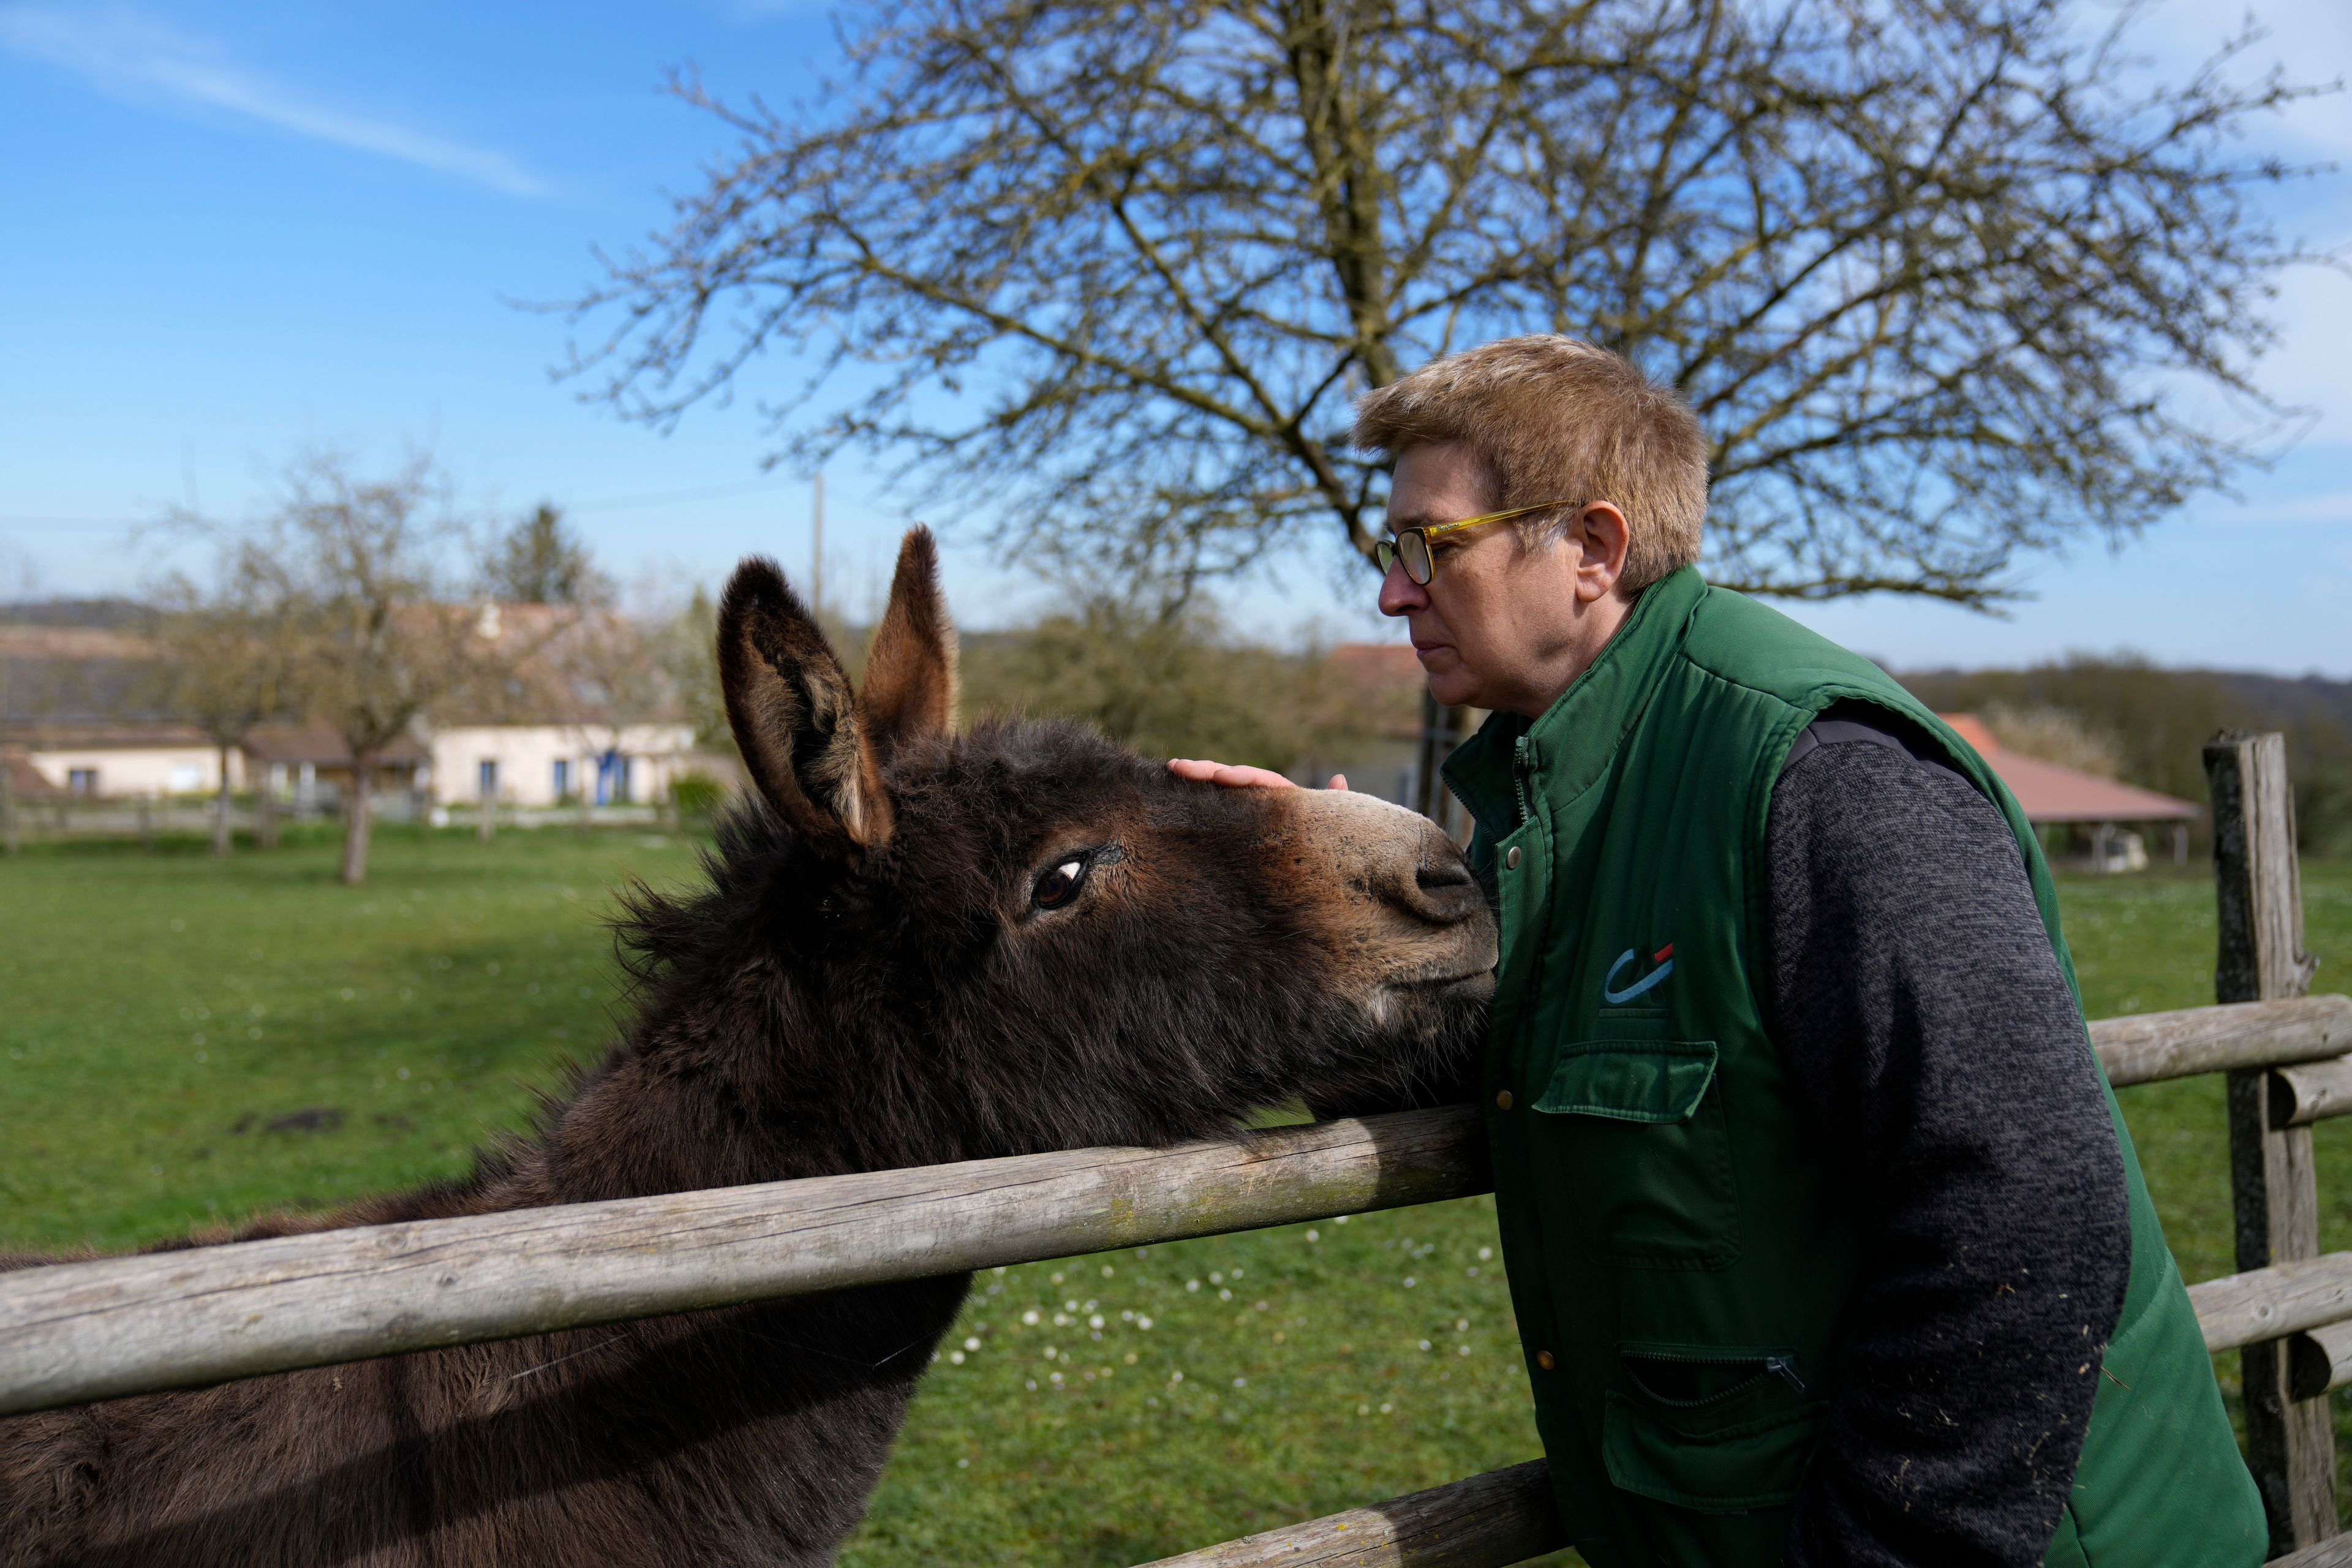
x=1554 y=417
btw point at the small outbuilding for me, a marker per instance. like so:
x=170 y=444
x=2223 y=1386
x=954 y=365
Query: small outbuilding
x=2107 y=809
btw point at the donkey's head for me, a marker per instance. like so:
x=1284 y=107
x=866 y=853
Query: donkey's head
x=959 y=945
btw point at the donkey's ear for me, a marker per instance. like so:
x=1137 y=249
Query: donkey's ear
x=909 y=689
x=788 y=703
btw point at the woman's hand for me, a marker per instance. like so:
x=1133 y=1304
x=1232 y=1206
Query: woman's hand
x=1237 y=777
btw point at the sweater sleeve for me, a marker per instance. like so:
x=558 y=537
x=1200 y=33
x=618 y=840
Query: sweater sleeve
x=1922 y=1014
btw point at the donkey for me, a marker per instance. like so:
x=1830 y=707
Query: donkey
x=913 y=946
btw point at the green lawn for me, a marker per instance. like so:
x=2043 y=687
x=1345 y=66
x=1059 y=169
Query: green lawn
x=186 y=1041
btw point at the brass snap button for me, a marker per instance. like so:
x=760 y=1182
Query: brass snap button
x=1543 y=1359
x=1503 y=1100
x=1511 y=860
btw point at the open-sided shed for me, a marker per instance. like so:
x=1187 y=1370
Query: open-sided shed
x=2056 y=796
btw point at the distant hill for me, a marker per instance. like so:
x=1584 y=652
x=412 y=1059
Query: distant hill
x=2308 y=695
x=101 y=615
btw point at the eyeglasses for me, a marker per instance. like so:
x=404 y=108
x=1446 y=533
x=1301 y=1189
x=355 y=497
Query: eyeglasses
x=1411 y=546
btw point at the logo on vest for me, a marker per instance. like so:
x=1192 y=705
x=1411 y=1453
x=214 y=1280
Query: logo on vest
x=1663 y=958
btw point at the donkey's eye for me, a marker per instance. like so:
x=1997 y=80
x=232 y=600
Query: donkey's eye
x=1060 y=885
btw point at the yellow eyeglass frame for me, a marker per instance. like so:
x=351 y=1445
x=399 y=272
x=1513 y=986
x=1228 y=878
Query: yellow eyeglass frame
x=1411 y=546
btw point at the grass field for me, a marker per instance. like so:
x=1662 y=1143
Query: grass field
x=187 y=1041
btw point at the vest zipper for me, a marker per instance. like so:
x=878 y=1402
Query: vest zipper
x=1787 y=1369
x=1521 y=766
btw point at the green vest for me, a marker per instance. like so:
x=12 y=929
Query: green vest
x=1682 y=1246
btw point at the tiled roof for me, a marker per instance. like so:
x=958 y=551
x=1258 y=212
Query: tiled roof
x=103 y=735
x=25 y=782
x=320 y=746
x=2049 y=793
x=1388 y=662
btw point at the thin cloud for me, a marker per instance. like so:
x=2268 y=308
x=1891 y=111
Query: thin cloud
x=143 y=60
x=2329 y=507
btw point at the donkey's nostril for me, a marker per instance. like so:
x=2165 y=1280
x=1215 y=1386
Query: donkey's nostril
x=1442 y=889
x=1438 y=876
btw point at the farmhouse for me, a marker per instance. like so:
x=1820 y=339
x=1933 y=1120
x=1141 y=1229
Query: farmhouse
x=91 y=761
x=556 y=763
x=586 y=715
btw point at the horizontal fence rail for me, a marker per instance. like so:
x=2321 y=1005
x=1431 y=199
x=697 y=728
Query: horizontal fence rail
x=2240 y=1309
x=2322 y=1359
x=1507 y=1516
x=1504 y=1516
x=2146 y=1047
x=1481 y=1521
x=2333 y=1554
x=71 y=1332
x=1492 y=1520
x=2311 y=1091
x=78 y=1331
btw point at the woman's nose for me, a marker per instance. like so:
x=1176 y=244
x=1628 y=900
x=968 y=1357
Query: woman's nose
x=1400 y=594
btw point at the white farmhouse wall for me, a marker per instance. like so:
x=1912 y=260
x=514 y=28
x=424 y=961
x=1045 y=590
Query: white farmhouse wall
x=526 y=756
x=127 y=770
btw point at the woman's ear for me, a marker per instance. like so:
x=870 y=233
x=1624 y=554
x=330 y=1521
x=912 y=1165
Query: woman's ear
x=788 y=703
x=1602 y=536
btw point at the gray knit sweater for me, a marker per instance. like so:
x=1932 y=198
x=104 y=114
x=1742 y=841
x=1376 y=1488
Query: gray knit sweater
x=1921 y=1012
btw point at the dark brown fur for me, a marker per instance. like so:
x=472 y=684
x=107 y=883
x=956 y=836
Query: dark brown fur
x=866 y=982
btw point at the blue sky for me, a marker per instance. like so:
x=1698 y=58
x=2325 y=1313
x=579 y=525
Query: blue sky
x=236 y=229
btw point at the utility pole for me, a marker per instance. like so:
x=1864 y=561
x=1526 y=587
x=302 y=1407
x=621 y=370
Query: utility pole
x=817 y=548
x=8 y=779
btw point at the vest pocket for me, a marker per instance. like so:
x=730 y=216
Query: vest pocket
x=1629 y=1144
x=1710 y=1428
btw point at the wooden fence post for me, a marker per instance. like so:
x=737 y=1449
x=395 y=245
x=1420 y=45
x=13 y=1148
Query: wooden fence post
x=2290 y=1442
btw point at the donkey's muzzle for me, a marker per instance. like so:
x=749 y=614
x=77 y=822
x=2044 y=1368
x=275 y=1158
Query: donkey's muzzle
x=1403 y=894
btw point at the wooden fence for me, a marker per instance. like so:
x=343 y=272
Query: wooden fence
x=78 y=1331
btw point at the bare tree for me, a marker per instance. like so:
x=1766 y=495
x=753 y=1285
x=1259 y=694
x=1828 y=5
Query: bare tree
x=1947 y=279
x=226 y=661
x=382 y=632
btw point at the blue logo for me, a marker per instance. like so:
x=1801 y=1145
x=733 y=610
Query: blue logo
x=1665 y=957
